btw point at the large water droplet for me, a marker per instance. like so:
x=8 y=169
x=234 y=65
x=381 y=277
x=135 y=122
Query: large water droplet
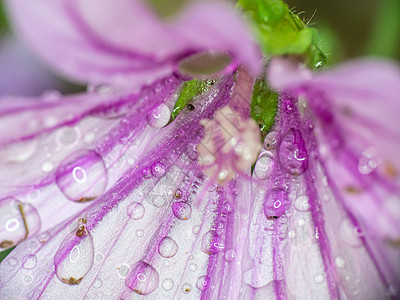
x=168 y=284
x=135 y=210
x=182 y=210
x=75 y=256
x=264 y=166
x=82 y=176
x=29 y=261
x=203 y=283
x=167 y=247
x=18 y=221
x=211 y=243
x=276 y=203
x=159 y=116
x=369 y=160
x=142 y=278
x=292 y=153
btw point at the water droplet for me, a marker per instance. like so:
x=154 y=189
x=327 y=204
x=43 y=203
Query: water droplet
x=192 y=267
x=196 y=229
x=292 y=234
x=186 y=288
x=159 y=116
x=339 y=261
x=100 y=89
x=264 y=166
x=28 y=279
x=182 y=210
x=211 y=243
x=276 y=203
x=319 y=278
x=230 y=255
x=203 y=282
x=122 y=270
x=369 y=160
x=168 y=284
x=82 y=176
x=302 y=204
x=146 y=173
x=33 y=245
x=271 y=140
x=29 y=261
x=178 y=194
x=350 y=234
x=158 y=169
x=292 y=153
x=139 y=232
x=18 y=152
x=98 y=257
x=18 y=221
x=135 y=210
x=68 y=136
x=167 y=247
x=97 y=283
x=44 y=237
x=75 y=256
x=47 y=166
x=301 y=222
x=12 y=261
x=142 y=278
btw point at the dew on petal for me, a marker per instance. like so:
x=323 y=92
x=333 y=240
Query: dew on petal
x=271 y=140
x=319 y=278
x=350 y=234
x=75 y=256
x=186 y=288
x=182 y=210
x=18 y=221
x=158 y=169
x=68 y=136
x=82 y=176
x=142 y=278
x=29 y=261
x=44 y=237
x=159 y=116
x=122 y=270
x=369 y=160
x=192 y=267
x=168 y=284
x=264 y=165
x=167 y=247
x=135 y=210
x=292 y=153
x=276 y=203
x=339 y=261
x=230 y=255
x=211 y=243
x=203 y=282
x=18 y=152
x=97 y=283
x=47 y=166
x=302 y=203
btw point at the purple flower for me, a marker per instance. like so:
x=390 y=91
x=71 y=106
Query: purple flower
x=108 y=199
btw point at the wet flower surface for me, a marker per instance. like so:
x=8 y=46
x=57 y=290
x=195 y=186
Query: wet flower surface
x=149 y=183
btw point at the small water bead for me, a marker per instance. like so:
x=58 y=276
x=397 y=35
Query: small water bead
x=18 y=221
x=271 y=140
x=135 y=210
x=97 y=283
x=264 y=166
x=68 y=136
x=196 y=229
x=44 y=237
x=211 y=243
x=293 y=154
x=12 y=261
x=339 y=261
x=301 y=222
x=75 y=256
x=192 y=267
x=319 y=278
x=158 y=169
x=146 y=173
x=203 y=283
x=276 y=203
x=350 y=234
x=230 y=255
x=142 y=278
x=33 y=245
x=159 y=116
x=47 y=166
x=167 y=247
x=122 y=270
x=168 y=284
x=28 y=279
x=292 y=234
x=29 y=261
x=369 y=160
x=182 y=210
x=178 y=194
x=186 y=288
x=302 y=203
x=139 y=232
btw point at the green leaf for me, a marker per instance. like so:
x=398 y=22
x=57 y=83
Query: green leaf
x=189 y=90
x=282 y=32
x=264 y=104
x=4 y=253
x=3 y=20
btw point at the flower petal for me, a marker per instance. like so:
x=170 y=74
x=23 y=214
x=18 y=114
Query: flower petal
x=123 y=42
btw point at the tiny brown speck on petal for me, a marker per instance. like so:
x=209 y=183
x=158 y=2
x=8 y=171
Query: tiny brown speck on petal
x=6 y=244
x=72 y=281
